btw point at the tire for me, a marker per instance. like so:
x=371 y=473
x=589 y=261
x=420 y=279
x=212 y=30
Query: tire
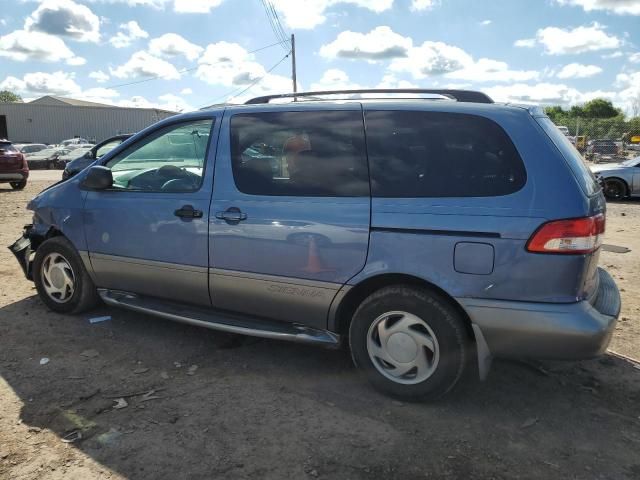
x=413 y=320
x=18 y=185
x=615 y=189
x=56 y=265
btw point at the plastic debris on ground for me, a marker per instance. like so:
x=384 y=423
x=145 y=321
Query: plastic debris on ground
x=44 y=361
x=99 y=319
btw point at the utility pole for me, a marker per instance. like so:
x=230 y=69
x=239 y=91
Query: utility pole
x=293 y=65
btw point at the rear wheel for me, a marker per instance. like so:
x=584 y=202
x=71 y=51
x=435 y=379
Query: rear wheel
x=18 y=185
x=62 y=282
x=409 y=342
x=615 y=189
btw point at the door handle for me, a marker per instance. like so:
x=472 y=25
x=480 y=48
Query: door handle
x=187 y=211
x=231 y=215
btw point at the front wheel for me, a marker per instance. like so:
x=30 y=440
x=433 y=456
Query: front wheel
x=18 y=185
x=63 y=284
x=615 y=189
x=409 y=342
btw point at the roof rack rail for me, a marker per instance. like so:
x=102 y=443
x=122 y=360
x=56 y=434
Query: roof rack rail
x=458 y=95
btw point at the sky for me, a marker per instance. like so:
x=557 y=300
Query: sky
x=183 y=55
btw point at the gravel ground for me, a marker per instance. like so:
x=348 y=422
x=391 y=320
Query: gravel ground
x=201 y=404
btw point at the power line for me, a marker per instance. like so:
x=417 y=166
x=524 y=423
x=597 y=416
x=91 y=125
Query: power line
x=155 y=77
x=274 y=22
x=235 y=93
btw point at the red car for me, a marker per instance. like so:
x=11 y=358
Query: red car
x=13 y=166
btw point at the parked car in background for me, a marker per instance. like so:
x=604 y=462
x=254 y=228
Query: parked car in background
x=73 y=141
x=78 y=164
x=29 y=148
x=620 y=180
x=46 y=158
x=13 y=166
x=564 y=130
x=426 y=234
x=601 y=147
x=63 y=160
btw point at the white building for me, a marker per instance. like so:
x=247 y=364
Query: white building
x=52 y=119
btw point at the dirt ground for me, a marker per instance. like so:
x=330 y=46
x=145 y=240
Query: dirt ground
x=263 y=409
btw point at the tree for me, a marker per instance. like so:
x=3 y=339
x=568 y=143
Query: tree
x=8 y=97
x=555 y=112
x=600 y=108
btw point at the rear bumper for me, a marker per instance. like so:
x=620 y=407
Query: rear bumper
x=551 y=331
x=16 y=176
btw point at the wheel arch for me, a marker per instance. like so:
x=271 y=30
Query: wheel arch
x=343 y=312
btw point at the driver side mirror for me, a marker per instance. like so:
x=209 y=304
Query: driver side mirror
x=97 y=178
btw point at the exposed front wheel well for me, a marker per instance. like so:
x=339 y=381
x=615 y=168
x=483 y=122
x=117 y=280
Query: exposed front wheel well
x=358 y=293
x=37 y=239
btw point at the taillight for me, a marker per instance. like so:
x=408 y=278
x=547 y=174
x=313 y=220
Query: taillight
x=576 y=236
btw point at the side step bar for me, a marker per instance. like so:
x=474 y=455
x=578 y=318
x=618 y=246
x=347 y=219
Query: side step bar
x=223 y=321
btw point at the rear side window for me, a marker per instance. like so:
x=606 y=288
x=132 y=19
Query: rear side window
x=585 y=178
x=319 y=153
x=7 y=147
x=438 y=154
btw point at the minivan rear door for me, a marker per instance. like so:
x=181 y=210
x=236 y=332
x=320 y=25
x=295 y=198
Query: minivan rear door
x=290 y=211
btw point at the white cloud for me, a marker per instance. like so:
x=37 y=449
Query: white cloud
x=195 y=6
x=230 y=65
x=143 y=64
x=543 y=94
x=99 y=76
x=379 y=44
x=419 y=5
x=175 y=103
x=334 y=79
x=186 y=91
x=22 y=46
x=437 y=58
x=559 y=41
x=311 y=13
x=485 y=23
x=41 y=83
x=65 y=18
x=129 y=32
x=621 y=7
x=634 y=57
x=525 y=43
x=389 y=80
x=609 y=56
x=578 y=70
x=172 y=44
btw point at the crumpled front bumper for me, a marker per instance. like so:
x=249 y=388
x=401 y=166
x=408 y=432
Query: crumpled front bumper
x=21 y=249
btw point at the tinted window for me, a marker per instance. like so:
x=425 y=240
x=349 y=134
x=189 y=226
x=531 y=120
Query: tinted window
x=170 y=159
x=7 y=147
x=317 y=153
x=435 y=154
x=107 y=147
x=582 y=173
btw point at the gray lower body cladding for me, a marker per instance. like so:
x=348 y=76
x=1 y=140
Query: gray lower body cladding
x=545 y=330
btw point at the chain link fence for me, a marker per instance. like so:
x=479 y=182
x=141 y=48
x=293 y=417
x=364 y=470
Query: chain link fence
x=603 y=140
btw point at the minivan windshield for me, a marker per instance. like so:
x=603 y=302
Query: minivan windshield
x=583 y=175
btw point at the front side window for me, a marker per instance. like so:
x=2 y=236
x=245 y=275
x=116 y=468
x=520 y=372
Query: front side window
x=438 y=154
x=169 y=160
x=107 y=147
x=319 y=153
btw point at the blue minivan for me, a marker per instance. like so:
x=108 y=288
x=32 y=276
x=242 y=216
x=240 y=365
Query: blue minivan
x=429 y=234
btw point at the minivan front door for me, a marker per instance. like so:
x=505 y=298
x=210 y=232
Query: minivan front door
x=148 y=234
x=290 y=211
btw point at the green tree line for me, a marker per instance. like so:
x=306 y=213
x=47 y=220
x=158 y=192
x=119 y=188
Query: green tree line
x=597 y=118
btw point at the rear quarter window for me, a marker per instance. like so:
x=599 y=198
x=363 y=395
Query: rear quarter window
x=439 y=154
x=585 y=178
x=7 y=147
